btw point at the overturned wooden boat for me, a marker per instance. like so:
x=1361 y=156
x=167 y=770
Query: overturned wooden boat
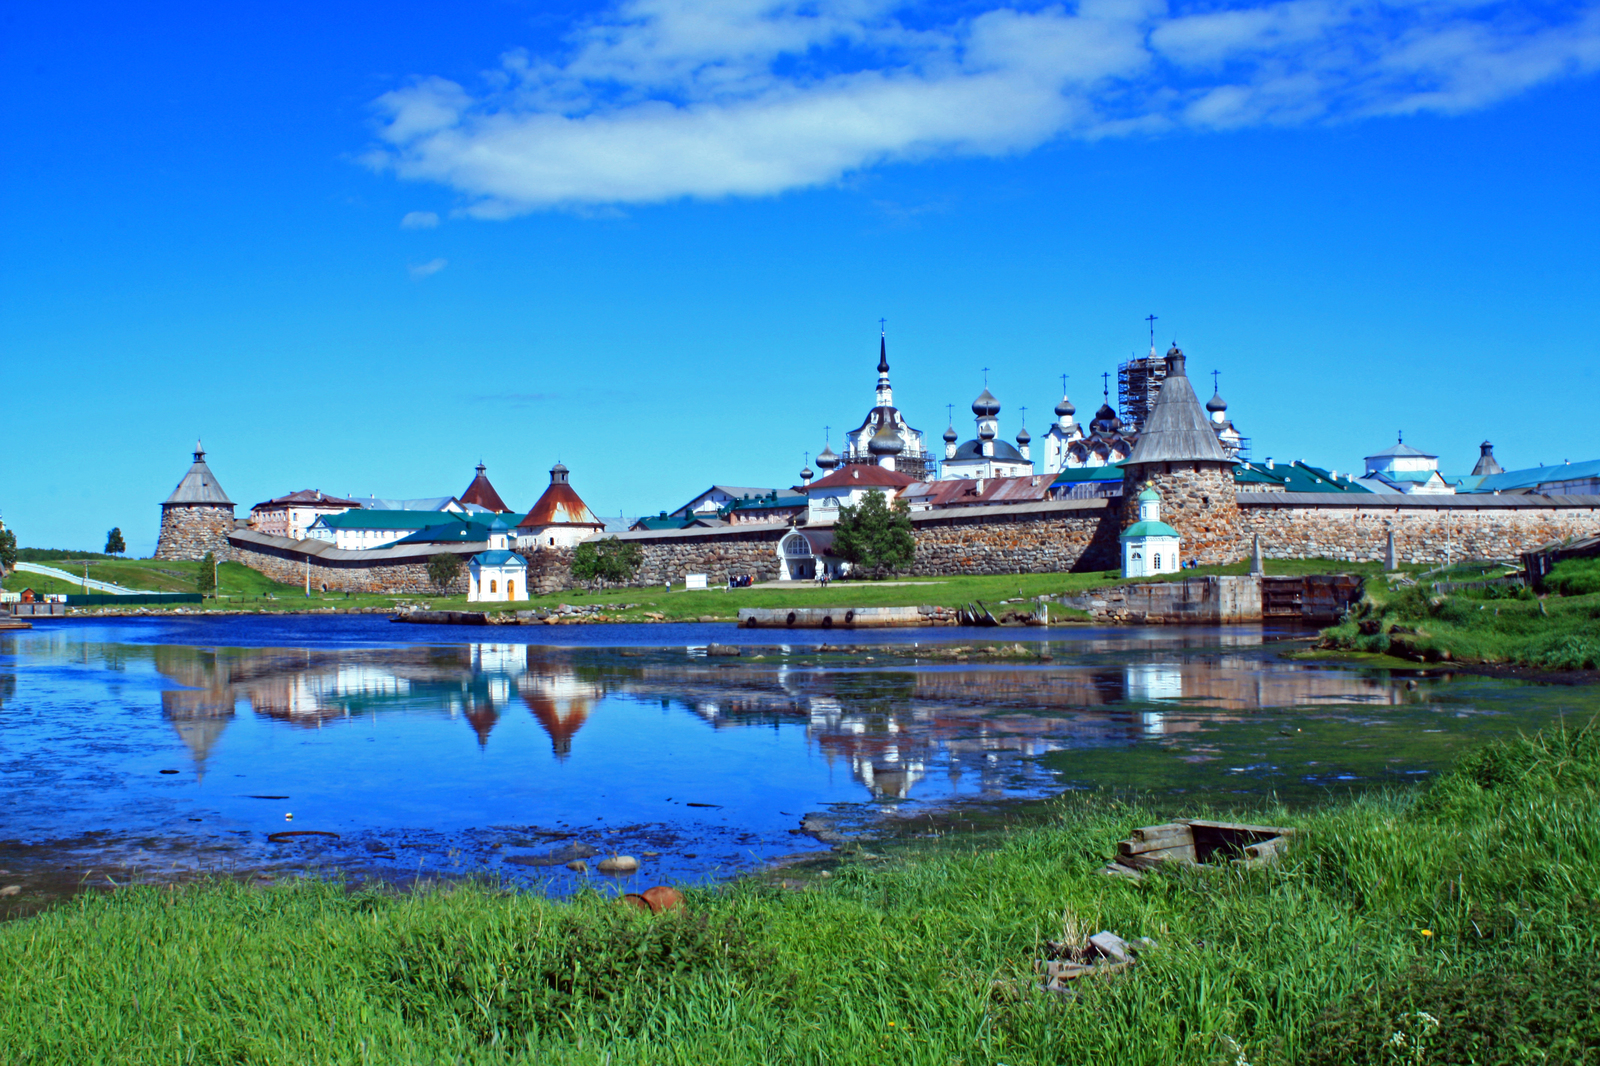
x=1198 y=841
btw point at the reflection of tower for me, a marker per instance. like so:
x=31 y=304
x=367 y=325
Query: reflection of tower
x=559 y=700
x=198 y=717
x=481 y=715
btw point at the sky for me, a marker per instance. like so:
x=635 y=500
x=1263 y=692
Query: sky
x=362 y=247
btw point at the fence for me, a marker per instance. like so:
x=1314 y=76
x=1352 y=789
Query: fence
x=90 y=599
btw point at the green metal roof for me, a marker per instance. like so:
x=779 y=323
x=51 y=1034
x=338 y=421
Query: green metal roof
x=1149 y=494
x=1148 y=529
x=1074 y=474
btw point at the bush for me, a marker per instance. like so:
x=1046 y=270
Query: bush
x=205 y=579
x=875 y=536
x=442 y=570
x=606 y=560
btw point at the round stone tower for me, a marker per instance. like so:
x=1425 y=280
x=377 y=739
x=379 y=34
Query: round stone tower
x=197 y=517
x=1178 y=455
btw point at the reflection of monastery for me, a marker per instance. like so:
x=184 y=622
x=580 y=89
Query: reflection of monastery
x=891 y=729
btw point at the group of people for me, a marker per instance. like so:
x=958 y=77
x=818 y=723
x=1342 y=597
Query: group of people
x=740 y=581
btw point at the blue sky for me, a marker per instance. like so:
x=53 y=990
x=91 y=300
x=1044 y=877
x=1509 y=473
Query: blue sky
x=359 y=250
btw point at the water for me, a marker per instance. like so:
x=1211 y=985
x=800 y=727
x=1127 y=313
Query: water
x=161 y=748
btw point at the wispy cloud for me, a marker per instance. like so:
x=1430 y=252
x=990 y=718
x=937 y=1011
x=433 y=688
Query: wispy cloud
x=419 y=220
x=662 y=99
x=428 y=269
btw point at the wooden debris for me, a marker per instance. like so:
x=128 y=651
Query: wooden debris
x=1198 y=841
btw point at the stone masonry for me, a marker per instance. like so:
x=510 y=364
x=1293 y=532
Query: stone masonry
x=1356 y=528
x=1078 y=535
x=388 y=576
x=189 y=530
x=1199 y=501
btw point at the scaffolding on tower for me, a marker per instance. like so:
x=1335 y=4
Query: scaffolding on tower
x=1138 y=381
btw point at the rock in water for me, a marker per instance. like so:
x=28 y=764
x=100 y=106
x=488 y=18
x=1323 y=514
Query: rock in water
x=722 y=649
x=618 y=864
x=578 y=866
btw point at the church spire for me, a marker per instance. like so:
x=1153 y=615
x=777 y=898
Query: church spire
x=885 y=393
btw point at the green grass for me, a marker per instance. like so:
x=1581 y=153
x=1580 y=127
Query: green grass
x=1473 y=902
x=1491 y=626
x=149 y=575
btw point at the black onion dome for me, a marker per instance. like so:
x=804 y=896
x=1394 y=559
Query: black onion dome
x=806 y=473
x=1023 y=436
x=1216 y=403
x=985 y=406
x=950 y=436
x=827 y=459
x=1065 y=408
x=886 y=441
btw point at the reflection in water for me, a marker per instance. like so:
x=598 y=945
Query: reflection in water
x=888 y=727
x=488 y=748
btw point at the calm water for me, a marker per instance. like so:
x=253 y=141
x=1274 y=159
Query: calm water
x=154 y=748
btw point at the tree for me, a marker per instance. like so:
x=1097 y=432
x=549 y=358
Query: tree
x=442 y=570
x=206 y=580
x=8 y=549
x=606 y=560
x=114 y=542
x=875 y=536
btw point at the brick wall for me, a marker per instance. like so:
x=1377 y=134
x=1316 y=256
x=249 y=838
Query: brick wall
x=188 y=531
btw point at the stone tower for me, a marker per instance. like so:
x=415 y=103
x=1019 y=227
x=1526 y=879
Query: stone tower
x=197 y=517
x=1178 y=455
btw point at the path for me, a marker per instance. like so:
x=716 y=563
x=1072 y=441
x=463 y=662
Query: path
x=76 y=579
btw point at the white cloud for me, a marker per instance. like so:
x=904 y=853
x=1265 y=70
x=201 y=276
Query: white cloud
x=428 y=269
x=663 y=99
x=419 y=220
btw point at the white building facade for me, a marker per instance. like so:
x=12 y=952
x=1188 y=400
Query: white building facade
x=498 y=575
x=1150 y=546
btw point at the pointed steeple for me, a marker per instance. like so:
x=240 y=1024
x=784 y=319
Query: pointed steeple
x=885 y=393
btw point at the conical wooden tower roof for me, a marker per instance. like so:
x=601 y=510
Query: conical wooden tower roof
x=1177 y=430
x=199 y=485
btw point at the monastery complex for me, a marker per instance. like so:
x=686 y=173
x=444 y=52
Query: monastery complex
x=1160 y=484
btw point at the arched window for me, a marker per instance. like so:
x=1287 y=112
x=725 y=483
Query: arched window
x=796 y=545
x=511 y=589
x=1155 y=561
x=494 y=586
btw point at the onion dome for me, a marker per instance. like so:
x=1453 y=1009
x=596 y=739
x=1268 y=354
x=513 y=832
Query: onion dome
x=985 y=406
x=1216 y=404
x=806 y=473
x=1023 y=436
x=950 y=436
x=986 y=430
x=827 y=459
x=1065 y=408
x=886 y=441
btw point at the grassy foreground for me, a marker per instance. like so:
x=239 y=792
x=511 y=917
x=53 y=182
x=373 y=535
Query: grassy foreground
x=1495 y=625
x=1453 y=924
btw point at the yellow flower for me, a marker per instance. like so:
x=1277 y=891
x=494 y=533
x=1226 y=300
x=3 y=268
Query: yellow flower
x=1427 y=932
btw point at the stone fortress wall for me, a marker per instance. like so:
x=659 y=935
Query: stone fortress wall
x=1049 y=537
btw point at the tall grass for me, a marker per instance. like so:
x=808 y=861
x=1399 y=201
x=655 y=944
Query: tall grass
x=1488 y=626
x=1472 y=903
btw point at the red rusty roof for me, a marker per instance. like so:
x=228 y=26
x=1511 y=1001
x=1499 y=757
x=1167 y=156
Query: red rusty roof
x=859 y=475
x=482 y=493
x=308 y=498
x=960 y=492
x=560 y=506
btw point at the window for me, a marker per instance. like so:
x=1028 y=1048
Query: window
x=494 y=586
x=511 y=589
x=1155 y=561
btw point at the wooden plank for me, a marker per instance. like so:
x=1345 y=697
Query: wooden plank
x=1146 y=860
x=1157 y=832
x=1239 y=827
x=1140 y=847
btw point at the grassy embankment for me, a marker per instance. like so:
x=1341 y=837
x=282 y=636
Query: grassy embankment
x=237 y=582
x=244 y=589
x=1494 y=625
x=1462 y=917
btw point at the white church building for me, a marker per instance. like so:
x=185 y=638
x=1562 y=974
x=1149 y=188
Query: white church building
x=1149 y=546
x=498 y=575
